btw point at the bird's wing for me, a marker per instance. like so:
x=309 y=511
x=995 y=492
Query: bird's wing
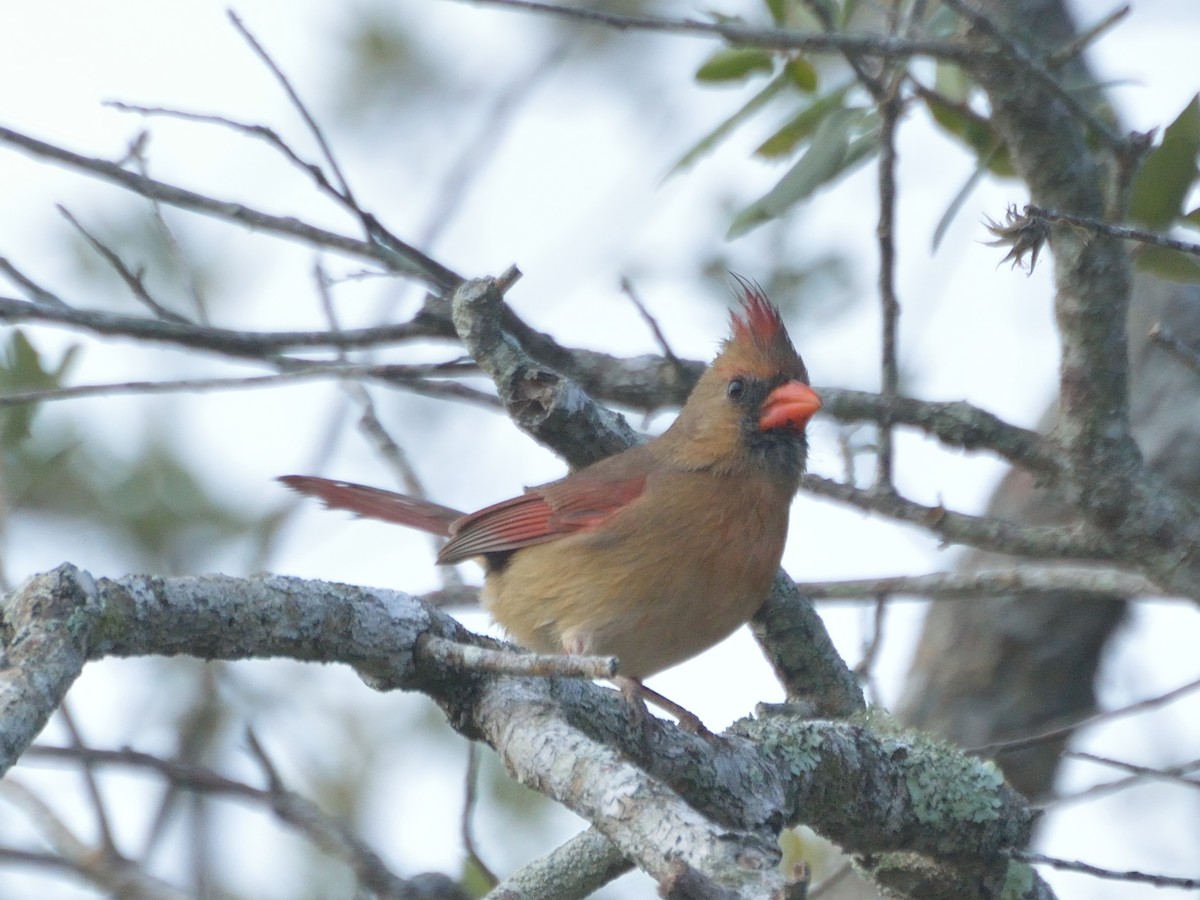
x=374 y=503
x=541 y=514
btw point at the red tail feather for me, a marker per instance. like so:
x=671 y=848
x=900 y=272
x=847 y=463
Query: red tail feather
x=374 y=503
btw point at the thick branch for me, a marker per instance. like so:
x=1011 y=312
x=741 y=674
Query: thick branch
x=652 y=787
x=647 y=820
x=551 y=409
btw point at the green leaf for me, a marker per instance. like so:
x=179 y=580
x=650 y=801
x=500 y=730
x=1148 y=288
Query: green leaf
x=23 y=369
x=951 y=82
x=1168 y=264
x=830 y=153
x=735 y=64
x=1167 y=175
x=722 y=131
x=973 y=130
x=1192 y=218
x=803 y=124
x=802 y=72
x=778 y=10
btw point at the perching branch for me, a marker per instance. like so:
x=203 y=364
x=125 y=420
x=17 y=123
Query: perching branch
x=676 y=784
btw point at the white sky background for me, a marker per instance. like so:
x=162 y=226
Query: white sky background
x=573 y=195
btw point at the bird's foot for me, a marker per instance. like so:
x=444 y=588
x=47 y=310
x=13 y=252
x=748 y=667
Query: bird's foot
x=638 y=694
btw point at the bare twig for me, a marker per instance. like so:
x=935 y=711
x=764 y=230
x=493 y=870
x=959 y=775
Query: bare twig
x=218 y=340
x=1122 y=232
x=1101 y=584
x=748 y=36
x=326 y=832
x=1141 y=775
x=391 y=451
x=346 y=194
x=1170 y=773
x=470 y=796
x=956 y=424
x=249 y=129
x=871 y=647
x=172 y=242
x=1068 y=729
x=414 y=378
x=1038 y=541
x=103 y=867
x=396 y=256
x=32 y=288
x=99 y=809
x=1086 y=38
x=891 y=107
x=629 y=291
x=133 y=280
x=1074 y=865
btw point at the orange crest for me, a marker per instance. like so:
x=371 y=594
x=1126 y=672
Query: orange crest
x=758 y=339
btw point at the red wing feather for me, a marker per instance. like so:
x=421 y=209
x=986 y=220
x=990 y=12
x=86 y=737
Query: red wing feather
x=375 y=503
x=539 y=515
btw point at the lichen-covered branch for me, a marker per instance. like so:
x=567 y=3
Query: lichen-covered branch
x=685 y=808
x=575 y=870
x=550 y=408
x=797 y=645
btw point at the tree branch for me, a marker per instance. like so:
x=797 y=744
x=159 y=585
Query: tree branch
x=748 y=36
x=1100 y=584
x=329 y=833
x=551 y=409
x=406 y=260
x=1150 y=525
x=1038 y=541
x=573 y=871
x=954 y=423
x=674 y=794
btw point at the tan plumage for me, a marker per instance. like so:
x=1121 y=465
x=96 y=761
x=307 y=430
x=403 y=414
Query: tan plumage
x=654 y=554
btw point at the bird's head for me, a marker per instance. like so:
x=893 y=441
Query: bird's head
x=753 y=404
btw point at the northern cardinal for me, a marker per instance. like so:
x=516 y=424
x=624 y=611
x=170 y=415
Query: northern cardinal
x=654 y=554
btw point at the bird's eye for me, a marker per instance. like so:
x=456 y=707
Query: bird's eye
x=736 y=388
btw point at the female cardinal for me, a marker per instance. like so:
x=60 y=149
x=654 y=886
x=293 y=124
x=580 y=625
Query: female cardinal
x=659 y=552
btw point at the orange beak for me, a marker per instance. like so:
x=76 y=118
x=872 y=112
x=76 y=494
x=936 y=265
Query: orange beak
x=790 y=405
